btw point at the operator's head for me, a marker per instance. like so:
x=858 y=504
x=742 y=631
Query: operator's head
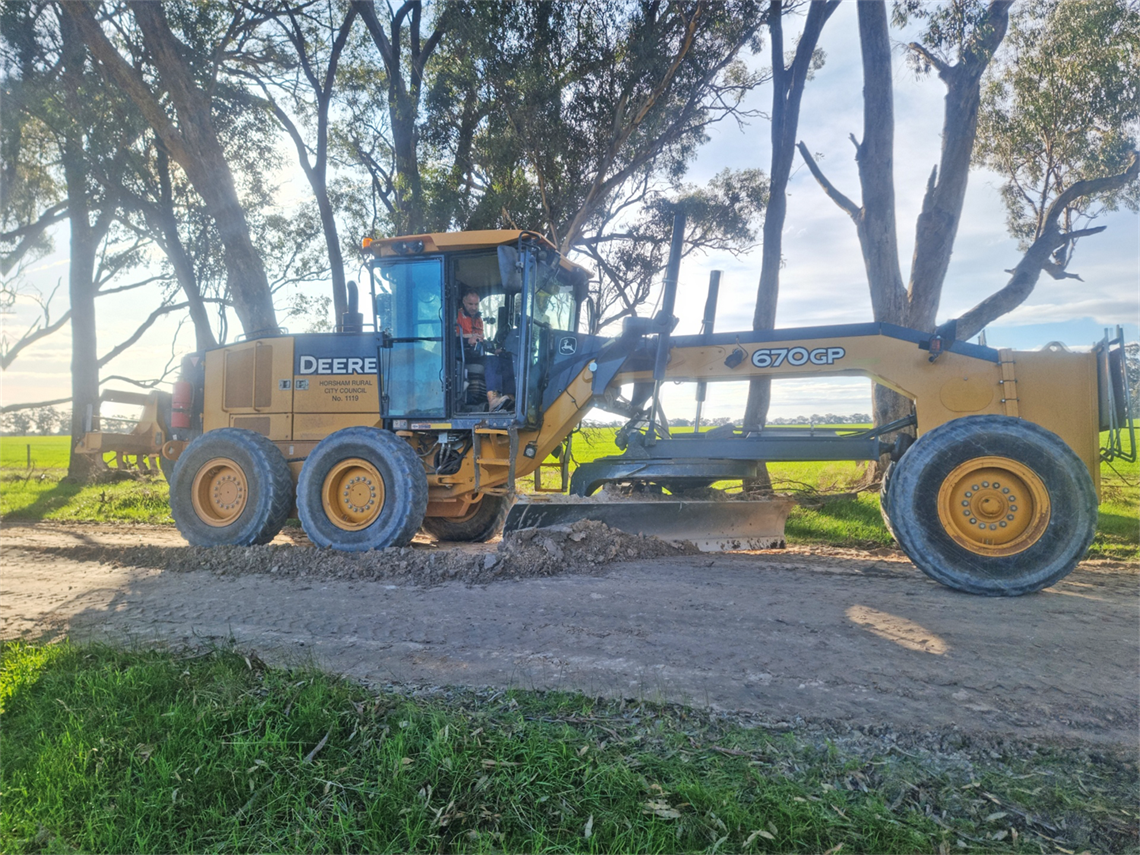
x=470 y=302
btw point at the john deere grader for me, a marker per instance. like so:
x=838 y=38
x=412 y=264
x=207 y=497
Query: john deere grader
x=471 y=373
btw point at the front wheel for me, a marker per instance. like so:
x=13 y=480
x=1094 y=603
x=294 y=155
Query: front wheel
x=478 y=526
x=992 y=505
x=362 y=488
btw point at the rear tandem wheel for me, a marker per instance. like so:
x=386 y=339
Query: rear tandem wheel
x=992 y=505
x=230 y=487
x=362 y=488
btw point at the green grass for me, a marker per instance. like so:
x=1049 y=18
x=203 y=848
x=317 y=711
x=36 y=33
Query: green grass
x=47 y=452
x=47 y=496
x=1118 y=526
x=148 y=751
x=43 y=493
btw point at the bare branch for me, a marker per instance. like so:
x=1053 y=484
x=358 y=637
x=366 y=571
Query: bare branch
x=1080 y=233
x=943 y=69
x=1090 y=187
x=31 y=337
x=49 y=217
x=138 y=333
x=853 y=210
x=12 y=408
x=1037 y=257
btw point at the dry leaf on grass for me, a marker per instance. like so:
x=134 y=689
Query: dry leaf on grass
x=661 y=809
x=755 y=834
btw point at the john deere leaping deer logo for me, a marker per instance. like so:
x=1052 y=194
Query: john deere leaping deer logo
x=567 y=345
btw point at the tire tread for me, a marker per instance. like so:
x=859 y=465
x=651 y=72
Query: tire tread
x=271 y=504
x=1073 y=515
x=409 y=491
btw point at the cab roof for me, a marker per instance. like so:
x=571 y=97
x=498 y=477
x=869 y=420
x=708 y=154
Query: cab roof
x=397 y=247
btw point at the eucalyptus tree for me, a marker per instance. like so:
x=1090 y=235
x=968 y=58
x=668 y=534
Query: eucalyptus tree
x=174 y=93
x=628 y=252
x=303 y=45
x=1059 y=121
x=85 y=132
x=405 y=65
x=592 y=94
x=32 y=196
x=959 y=42
x=580 y=120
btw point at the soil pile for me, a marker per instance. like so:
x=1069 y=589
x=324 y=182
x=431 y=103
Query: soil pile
x=582 y=547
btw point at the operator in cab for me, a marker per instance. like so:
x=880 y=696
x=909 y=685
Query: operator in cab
x=498 y=368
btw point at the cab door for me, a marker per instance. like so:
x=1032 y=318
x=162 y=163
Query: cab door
x=409 y=309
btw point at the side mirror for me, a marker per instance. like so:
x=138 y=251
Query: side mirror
x=509 y=270
x=581 y=282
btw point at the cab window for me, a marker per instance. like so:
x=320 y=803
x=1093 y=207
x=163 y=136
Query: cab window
x=409 y=307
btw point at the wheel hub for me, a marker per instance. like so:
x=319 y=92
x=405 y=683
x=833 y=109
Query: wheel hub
x=353 y=494
x=219 y=493
x=994 y=506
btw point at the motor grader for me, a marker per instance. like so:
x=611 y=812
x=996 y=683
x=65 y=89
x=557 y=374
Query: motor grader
x=380 y=429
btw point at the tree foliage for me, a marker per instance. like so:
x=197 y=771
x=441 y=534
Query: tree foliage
x=589 y=97
x=628 y=259
x=175 y=98
x=1062 y=105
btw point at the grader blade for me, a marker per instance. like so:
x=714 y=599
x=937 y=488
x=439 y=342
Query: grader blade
x=712 y=526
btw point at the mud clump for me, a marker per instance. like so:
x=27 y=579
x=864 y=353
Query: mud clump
x=582 y=547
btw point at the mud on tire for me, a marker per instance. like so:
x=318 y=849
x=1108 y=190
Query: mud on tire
x=362 y=488
x=483 y=524
x=992 y=505
x=230 y=487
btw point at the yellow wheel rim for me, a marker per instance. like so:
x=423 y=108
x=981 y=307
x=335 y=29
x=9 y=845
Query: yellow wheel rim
x=220 y=492
x=994 y=506
x=353 y=494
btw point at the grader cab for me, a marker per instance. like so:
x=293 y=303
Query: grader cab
x=387 y=427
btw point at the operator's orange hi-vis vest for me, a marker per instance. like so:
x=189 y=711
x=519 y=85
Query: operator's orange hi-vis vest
x=466 y=325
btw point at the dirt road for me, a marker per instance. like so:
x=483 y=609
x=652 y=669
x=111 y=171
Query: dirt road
x=824 y=635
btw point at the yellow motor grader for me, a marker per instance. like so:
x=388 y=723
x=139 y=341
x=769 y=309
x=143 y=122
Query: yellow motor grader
x=380 y=429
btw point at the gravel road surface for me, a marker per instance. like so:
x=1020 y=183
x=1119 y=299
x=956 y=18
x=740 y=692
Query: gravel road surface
x=835 y=635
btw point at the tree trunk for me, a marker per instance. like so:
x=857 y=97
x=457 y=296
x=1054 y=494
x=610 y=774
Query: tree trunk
x=787 y=93
x=403 y=101
x=937 y=226
x=878 y=235
x=84 y=242
x=404 y=139
x=193 y=144
x=206 y=166
x=180 y=260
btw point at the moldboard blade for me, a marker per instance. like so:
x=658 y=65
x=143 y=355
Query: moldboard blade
x=711 y=526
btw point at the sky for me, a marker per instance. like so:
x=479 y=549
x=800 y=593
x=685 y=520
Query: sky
x=823 y=280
